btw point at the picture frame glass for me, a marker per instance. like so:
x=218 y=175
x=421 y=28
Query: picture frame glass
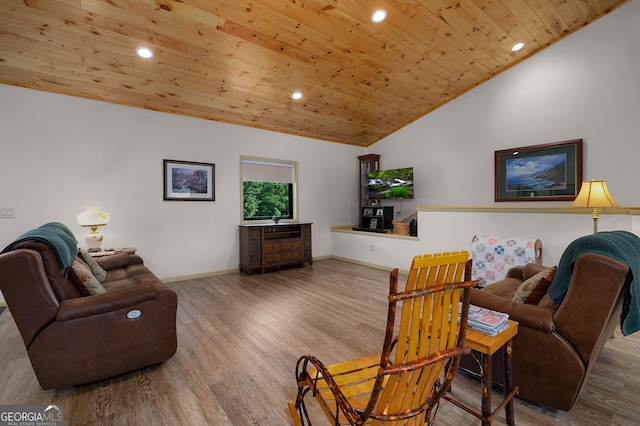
x=187 y=180
x=549 y=172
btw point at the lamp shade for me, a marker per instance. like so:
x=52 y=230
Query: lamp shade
x=594 y=193
x=92 y=216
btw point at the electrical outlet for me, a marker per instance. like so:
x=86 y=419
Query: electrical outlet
x=7 y=212
x=371 y=247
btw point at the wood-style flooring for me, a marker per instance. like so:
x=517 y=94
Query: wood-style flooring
x=239 y=339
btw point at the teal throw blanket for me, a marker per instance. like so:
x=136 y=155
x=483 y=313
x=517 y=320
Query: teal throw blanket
x=58 y=236
x=620 y=245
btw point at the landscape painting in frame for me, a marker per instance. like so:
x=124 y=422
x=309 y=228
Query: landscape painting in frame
x=549 y=172
x=189 y=181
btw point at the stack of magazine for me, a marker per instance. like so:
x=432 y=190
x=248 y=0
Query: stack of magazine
x=487 y=321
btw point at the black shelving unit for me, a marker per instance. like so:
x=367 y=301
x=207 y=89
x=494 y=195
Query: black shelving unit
x=377 y=218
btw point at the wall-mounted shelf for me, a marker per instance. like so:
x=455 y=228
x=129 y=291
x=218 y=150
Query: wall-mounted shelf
x=348 y=229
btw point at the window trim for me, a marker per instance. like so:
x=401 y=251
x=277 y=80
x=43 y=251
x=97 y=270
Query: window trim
x=294 y=191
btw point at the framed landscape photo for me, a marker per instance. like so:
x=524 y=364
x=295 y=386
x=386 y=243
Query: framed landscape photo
x=189 y=181
x=549 y=172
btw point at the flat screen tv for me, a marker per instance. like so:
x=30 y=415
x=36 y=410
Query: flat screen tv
x=393 y=184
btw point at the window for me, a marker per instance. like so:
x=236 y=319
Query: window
x=269 y=189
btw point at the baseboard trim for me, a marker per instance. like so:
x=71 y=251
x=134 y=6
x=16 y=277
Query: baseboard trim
x=199 y=275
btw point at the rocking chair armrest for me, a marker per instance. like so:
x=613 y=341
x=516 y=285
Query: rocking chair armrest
x=320 y=368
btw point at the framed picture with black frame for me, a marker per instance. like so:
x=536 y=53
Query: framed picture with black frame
x=548 y=172
x=189 y=181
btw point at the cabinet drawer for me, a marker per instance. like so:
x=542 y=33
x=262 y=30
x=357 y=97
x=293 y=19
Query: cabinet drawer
x=282 y=251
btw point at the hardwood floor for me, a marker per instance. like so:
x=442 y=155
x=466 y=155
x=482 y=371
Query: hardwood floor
x=239 y=339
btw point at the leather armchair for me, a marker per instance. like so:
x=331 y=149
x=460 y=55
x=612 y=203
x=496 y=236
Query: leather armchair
x=558 y=344
x=73 y=339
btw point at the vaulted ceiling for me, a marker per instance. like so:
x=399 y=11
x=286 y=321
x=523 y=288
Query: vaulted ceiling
x=240 y=61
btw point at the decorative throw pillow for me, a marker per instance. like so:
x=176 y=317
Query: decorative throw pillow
x=533 y=289
x=96 y=270
x=83 y=279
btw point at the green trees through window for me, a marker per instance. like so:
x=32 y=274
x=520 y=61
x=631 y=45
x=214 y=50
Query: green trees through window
x=264 y=200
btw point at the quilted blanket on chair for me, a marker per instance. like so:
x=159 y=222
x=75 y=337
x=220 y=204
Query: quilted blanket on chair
x=494 y=256
x=620 y=245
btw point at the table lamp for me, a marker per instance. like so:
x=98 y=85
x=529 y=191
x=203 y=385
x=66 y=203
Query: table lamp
x=93 y=218
x=594 y=193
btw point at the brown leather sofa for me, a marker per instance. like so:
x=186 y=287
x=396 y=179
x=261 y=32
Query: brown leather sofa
x=558 y=344
x=73 y=339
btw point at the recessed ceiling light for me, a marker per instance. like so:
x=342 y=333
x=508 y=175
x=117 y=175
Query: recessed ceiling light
x=379 y=15
x=144 y=52
x=517 y=47
x=296 y=95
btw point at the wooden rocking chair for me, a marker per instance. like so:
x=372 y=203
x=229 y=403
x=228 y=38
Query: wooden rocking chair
x=378 y=390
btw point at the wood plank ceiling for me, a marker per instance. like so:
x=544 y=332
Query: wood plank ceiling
x=240 y=61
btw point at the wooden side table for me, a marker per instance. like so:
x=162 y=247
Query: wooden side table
x=488 y=345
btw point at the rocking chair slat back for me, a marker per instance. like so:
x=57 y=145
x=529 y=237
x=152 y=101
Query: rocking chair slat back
x=401 y=387
x=428 y=326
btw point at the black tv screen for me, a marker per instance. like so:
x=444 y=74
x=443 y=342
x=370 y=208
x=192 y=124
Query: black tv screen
x=393 y=184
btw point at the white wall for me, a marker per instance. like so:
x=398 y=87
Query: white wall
x=585 y=86
x=60 y=153
x=379 y=250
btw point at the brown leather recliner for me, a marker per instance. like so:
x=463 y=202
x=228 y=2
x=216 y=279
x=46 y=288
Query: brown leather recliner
x=73 y=339
x=558 y=344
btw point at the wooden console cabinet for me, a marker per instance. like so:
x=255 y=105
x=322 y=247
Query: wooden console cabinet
x=272 y=245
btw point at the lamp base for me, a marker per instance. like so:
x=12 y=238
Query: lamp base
x=595 y=220
x=94 y=240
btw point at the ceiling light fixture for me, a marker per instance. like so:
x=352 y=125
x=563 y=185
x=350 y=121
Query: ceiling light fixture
x=517 y=47
x=296 y=95
x=144 y=52
x=379 y=15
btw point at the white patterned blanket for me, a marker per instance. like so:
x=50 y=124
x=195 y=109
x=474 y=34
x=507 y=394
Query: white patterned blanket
x=493 y=256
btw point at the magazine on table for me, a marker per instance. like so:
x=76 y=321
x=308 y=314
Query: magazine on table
x=487 y=321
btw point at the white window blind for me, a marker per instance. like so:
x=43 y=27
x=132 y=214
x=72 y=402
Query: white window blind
x=259 y=171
